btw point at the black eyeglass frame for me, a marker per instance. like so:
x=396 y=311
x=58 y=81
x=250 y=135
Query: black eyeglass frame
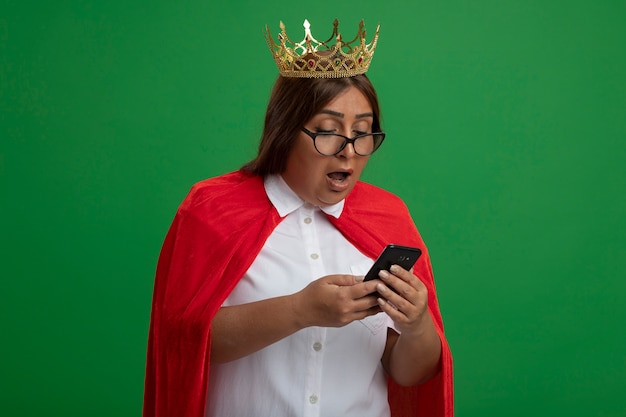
x=346 y=141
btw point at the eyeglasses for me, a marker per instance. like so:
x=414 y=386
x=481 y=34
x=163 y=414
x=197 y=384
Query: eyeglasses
x=330 y=144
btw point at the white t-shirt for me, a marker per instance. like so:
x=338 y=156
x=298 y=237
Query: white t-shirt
x=317 y=371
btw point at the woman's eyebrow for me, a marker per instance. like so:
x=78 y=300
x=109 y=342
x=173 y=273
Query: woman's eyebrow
x=336 y=113
x=331 y=112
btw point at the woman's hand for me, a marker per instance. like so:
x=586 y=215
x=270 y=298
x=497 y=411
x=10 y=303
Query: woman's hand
x=413 y=356
x=408 y=305
x=336 y=300
x=330 y=301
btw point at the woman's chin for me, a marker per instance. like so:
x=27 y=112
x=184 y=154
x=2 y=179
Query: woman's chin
x=329 y=198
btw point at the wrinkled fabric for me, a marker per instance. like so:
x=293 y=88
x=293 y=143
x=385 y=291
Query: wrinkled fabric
x=215 y=236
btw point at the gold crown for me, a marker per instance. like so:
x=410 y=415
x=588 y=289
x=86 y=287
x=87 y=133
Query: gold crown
x=311 y=58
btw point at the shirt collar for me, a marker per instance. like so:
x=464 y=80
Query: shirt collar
x=287 y=201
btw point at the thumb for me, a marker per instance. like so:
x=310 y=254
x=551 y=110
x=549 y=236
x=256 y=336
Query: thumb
x=342 y=280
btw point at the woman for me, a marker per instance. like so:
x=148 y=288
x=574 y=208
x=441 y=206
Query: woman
x=259 y=298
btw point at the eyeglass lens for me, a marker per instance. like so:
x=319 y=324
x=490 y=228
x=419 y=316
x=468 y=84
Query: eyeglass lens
x=332 y=144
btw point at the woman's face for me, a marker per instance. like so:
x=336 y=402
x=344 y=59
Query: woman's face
x=326 y=180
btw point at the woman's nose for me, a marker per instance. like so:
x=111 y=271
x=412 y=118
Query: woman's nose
x=347 y=151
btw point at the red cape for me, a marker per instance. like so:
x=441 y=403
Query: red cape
x=216 y=234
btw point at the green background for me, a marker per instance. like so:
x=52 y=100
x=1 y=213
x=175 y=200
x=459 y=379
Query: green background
x=506 y=127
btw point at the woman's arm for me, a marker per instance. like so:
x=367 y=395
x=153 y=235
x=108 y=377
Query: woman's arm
x=331 y=301
x=412 y=356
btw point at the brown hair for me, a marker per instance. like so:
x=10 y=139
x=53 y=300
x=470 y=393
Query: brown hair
x=293 y=102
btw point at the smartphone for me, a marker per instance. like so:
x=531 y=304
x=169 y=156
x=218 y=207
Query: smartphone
x=404 y=256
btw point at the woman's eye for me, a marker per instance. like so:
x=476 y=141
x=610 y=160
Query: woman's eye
x=359 y=132
x=318 y=130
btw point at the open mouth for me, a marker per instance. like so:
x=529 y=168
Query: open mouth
x=339 y=181
x=338 y=176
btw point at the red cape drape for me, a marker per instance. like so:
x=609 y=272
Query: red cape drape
x=215 y=236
